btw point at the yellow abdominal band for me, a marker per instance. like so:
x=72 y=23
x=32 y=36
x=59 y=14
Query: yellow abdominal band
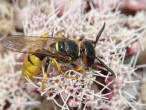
x=31 y=66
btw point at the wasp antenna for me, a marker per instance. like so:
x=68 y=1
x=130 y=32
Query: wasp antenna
x=105 y=66
x=99 y=34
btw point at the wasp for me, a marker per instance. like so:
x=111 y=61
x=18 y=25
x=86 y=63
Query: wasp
x=55 y=50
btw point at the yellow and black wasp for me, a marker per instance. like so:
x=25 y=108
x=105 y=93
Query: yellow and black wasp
x=57 y=50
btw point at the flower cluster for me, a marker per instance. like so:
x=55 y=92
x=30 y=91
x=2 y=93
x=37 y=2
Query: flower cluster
x=118 y=47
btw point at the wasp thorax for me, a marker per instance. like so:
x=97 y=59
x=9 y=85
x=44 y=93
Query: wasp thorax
x=67 y=48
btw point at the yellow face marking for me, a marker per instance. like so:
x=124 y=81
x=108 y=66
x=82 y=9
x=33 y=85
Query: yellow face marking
x=57 y=47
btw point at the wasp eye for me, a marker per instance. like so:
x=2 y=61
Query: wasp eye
x=61 y=46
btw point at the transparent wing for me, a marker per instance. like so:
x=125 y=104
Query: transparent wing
x=26 y=44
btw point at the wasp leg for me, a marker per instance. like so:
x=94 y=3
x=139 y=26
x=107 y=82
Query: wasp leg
x=59 y=69
x=43 y=80
x=45 y=73
x=78 y=68
x=42 y=57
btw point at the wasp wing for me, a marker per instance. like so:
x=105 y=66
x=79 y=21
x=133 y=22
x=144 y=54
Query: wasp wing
x=26 y=44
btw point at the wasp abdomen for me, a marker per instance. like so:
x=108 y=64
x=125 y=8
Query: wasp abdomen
x=31 y=66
